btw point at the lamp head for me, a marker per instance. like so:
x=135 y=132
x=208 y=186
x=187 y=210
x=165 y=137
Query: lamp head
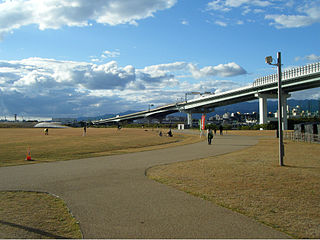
x=269 y=60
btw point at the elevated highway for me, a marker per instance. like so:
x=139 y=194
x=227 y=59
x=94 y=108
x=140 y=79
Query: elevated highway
x=295 y=79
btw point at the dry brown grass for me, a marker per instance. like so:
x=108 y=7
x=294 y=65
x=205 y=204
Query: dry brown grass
x=39 y=215
x=264 y=133
x=66 y=144
x=251 y=182
x=35 y=215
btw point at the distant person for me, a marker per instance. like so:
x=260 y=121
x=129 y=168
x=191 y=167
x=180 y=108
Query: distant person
x=160 y=133
x=46 y=131
x=170 y=133
x=221 y=130
x=210 y=136
x=84 y=130
x=215 y=131
x=119 y=127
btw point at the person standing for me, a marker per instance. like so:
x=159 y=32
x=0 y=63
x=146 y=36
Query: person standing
x=221 y=130
x=210 y=136
x=85 y=130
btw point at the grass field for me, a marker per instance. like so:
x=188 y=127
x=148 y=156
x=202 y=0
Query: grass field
x=251 y=182
x=41 y=215
x=35 y=215
x=66 y=144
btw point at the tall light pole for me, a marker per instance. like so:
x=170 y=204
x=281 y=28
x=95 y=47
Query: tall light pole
x=269 y=60
x=150 y=105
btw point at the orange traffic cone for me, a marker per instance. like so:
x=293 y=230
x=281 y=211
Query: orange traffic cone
x=28 y=158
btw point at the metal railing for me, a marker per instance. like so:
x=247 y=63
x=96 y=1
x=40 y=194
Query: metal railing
x=302 y=137
x=288 y=74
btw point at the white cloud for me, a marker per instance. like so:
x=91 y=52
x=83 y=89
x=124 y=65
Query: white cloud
x=302 y=13
x=313 y=57
x=110 y=54
x=222 y=70
x=310 y=58
x=218 y=5
x=95 y=60
x=226 y=5
x=307 y=14
x=290 y=21
x=48 y=86
x=220 y=23
x=53 y=14
x=184 y=22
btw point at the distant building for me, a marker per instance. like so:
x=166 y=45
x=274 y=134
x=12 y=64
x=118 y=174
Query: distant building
x=227 y=115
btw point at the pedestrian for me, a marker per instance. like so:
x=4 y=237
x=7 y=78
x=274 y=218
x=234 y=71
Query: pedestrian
x=170 y=133
x=160 y=133
x=46 y=131
x=215 y=131
x=85 y=130
x=210 y=136
x=221 y=130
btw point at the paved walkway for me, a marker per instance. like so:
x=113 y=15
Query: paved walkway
x=112 y=197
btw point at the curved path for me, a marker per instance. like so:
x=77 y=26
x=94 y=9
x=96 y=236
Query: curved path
x=112 y=197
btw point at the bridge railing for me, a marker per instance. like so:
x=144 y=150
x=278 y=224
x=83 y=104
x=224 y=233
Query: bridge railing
x=288 y=74
x=302 y=137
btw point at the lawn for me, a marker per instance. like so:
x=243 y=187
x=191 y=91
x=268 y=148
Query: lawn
x=66 y=144
x=41 y=215
x=35 y=215
x=251 y=182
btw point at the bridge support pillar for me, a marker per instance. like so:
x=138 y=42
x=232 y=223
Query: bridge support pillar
x=263 y=111
x=284 y=111
x=189 y=119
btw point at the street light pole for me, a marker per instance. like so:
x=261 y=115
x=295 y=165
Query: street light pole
x=150 y=105
x=278 y=64
x=281 y=147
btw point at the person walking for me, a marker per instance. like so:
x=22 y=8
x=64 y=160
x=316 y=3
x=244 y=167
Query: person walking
x=221 y=130
x=210 y=136
x=85 y=130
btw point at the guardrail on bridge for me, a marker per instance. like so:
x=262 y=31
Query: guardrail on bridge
x=288 y=74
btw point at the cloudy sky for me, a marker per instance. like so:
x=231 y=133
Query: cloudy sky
x=70 y=58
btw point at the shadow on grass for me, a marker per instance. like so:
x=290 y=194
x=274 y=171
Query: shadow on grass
x=292 y=166
x=33 y=230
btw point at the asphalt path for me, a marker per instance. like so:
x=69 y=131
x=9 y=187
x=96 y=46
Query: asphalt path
x=112 y=197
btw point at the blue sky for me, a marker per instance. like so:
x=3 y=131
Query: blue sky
x=69 y=58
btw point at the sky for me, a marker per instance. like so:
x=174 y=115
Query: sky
x=72 y=58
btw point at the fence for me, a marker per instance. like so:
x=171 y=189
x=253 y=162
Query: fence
x=302 y=137
x=288 y=74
